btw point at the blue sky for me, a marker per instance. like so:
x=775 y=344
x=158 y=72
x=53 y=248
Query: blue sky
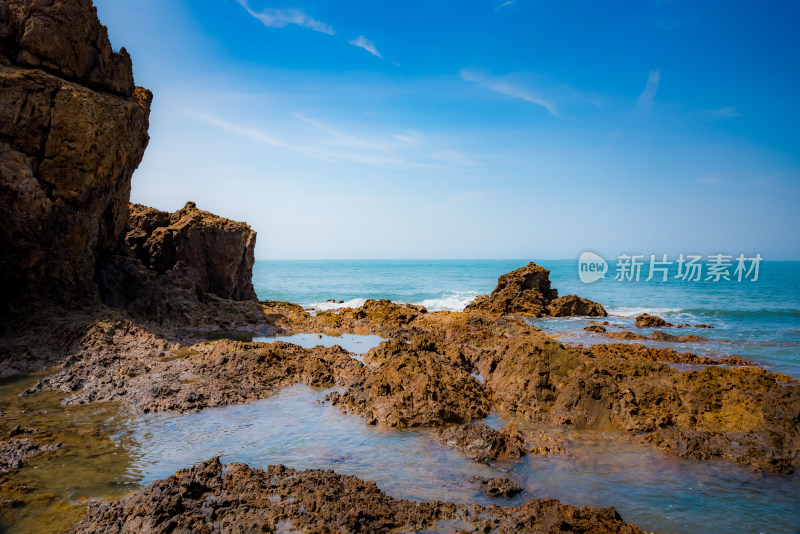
x=474 y=128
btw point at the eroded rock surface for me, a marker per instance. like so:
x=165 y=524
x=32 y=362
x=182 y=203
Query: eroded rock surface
x=527 y=292
x=72 y=130
x=210 y=499
x=483 y=443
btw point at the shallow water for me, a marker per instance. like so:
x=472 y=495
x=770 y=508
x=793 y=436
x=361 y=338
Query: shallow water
x=108 y=454
x=658 y=492
x=356 y=344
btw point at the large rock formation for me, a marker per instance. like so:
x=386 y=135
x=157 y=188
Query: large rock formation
x=527 y=292
x=211 y=498
x=73 y=127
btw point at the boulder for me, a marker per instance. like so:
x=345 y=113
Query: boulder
x=527 y=292
x=646 y=320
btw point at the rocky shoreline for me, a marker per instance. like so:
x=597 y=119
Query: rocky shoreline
x=118 y=303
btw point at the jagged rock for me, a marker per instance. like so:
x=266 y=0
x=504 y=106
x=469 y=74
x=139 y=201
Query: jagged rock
x=595 y=328
x=573 y=305
x=498 y=487
x=72 y=131
x=526 y=292
x=415 y=384
x=646 y=320
x=483 y=443
x=211 y=497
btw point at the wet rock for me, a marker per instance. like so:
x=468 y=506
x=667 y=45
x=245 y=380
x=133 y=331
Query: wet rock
x=573 y=305
x=527 y=292
x=595 y=328
x=646 y=320
x=415 y=384
x=482 y=443
x=547 y=443
x=637 y=351
x=208 y=498
x=72 y=130
x=14 y=452
x=498 y=487
x=663 y=336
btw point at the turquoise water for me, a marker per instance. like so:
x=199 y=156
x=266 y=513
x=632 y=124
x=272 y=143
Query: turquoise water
x=758 y=320
x=658 y=492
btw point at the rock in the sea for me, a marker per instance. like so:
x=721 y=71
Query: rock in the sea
x=415 y=384
x=527 y=292
x=573 y=305
x=72 y=130
x=646 y=320
x=483 y=443
x=211 y=497
x=595 y=328
x=498 y=487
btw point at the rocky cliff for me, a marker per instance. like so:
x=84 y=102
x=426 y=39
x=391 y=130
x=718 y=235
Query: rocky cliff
x=73 y=128
x=526 y=292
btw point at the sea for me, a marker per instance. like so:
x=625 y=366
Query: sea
x=755 y=317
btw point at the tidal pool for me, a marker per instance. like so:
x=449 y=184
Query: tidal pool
x=357 y=344
x=107 y=453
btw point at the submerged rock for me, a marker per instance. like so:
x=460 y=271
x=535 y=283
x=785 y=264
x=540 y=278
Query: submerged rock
x=211 y=497
x=498 y=487
x=482 y=443
x=527 y=292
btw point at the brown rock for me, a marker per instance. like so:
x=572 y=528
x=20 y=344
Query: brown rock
x=208 y=498
x=482 y=443
x=415 y=384
x=71 y=136
x=646 y=320
x=573 y=305
x=595 y=328
x=526 y=292
x=498 y=487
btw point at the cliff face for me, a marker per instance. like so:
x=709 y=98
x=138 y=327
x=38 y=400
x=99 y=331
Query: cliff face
x=73 y=128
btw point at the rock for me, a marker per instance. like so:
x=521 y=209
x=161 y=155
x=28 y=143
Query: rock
x=72 y=130
x=526 y=292
x=14 y=452
x=646 y=320
x=498 y=487
x=237 y=498
x=573 y=305
x=190 y=267
x=625 y=335
x=482 y=443
x=595 y=328
x=415 y=384
x=658 y=335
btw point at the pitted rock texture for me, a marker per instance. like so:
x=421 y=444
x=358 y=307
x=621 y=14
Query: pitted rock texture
x=527 y=292
x=212 y=498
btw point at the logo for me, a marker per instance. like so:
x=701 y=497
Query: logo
x=591 y=267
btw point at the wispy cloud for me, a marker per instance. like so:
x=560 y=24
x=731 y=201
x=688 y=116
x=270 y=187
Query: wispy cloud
x=724 y=113
x=501 y=85
x=647 y=98
x=410 y=137
x=505 y=4
x=366 y=44
x=280 y=18
x=329 y=144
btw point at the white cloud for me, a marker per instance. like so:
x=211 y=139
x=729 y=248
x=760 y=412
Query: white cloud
x=366 y=44
x=648 y=96
x=410 y=137
x=724 y=113
x=280 y=18
x=451 y=157
x=505 y=4
x=502 y=86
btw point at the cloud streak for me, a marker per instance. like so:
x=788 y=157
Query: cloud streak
x=647 y=98
x=366 y=44
x=502 y=86
x=280 y=18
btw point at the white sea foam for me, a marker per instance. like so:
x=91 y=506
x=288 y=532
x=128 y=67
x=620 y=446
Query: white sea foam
x=325 y=306
x=633 y=311
x=450 y=301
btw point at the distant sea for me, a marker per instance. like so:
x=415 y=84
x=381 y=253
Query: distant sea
x=758 y=320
